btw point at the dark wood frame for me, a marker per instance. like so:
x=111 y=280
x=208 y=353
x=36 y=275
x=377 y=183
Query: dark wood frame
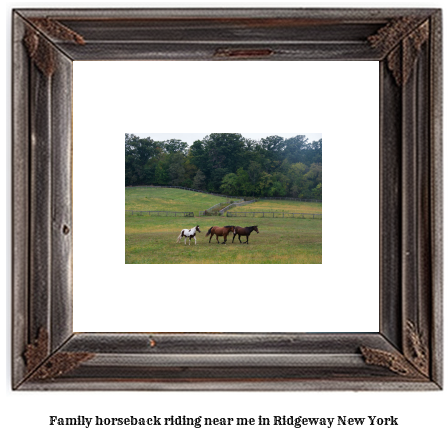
x=406 y=354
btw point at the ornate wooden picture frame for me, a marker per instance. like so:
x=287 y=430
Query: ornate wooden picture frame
x=406 y=353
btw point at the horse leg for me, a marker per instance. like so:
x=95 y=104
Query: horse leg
x=239 y=238
x=247 y=241
x=233 y=237
x=225 y=239
x=185 y=240
x=189 y=241
x=217 y=238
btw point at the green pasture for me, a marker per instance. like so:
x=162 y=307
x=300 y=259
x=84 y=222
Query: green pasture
x=282 y=206
x=153 y=240
x=155 y=199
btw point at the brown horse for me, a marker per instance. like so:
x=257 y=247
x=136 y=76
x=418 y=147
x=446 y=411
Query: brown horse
x=220 y=231
x=244 y=232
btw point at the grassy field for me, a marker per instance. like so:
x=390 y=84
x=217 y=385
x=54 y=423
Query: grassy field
x=155 y=199
x=152 y=239
x=282 y=206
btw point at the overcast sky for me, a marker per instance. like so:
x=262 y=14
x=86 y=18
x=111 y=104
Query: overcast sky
x=191 y=138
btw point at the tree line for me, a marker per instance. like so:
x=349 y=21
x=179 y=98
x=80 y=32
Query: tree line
x=229 y=164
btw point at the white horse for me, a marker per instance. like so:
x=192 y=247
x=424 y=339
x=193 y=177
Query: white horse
x=189 y=233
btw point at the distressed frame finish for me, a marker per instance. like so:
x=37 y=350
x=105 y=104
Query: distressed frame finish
x=406 y=354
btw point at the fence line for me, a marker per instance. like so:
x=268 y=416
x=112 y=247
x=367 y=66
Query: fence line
x=208 y=213
x=292 y=199
x=220 y=194
x=182 y=188
x=236 y=205
x=209 y=210
x=164 y=213
x=273 y=213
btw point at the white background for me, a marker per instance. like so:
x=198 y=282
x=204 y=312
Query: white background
x=420 y=414
x=193 y=97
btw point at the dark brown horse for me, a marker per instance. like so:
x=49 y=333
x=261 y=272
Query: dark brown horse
x=244 y=232
x=220 y=231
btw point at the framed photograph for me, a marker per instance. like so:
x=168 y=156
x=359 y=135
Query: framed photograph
x=233 y=333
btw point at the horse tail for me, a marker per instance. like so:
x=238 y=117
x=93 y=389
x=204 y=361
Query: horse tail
x=209 y=231
x=178 y=239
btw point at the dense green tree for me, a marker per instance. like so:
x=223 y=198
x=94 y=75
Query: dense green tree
x=317 y=192
x=277 y=189
x=198 y=156
x=316 y=151
x=264 y=184
x=314 y=174
x=229 y=163
x=161 y=175
x=244 y=186
x=174 y=146
x=199 y=180
x=176 y=169
x=229 y=184
x=138 y=151
x=273 y=144
x=224 y=151
x=295 y=149
x=297 y=181
x=215 y=179
x=254 y=172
